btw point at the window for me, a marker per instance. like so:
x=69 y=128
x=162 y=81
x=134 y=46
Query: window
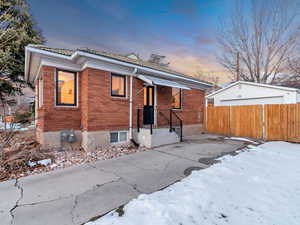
x=118 y=85
x=123 y=136
x=118 y=136
x=114 y=137
x=66 y=88
x=176 y=98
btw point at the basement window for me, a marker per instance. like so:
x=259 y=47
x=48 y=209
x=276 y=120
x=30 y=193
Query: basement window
x=118 y=136
x=66 y=91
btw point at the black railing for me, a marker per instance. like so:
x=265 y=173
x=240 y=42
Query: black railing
x=172 y=121
x=164 y=118
x=138 y=121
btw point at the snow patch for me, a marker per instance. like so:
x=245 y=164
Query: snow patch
x=241 y=139
x=16 y=126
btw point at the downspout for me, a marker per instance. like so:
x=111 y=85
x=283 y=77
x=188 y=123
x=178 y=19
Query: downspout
x=131 y=106
x=206 y=105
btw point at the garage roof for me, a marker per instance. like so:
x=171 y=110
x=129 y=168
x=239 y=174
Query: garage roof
x=254 y=84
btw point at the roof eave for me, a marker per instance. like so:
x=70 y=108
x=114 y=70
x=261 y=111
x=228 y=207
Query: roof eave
x=30 y=49
x=105 y=58
x=250 y=83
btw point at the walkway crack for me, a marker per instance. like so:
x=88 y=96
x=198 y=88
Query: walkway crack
x=42 y=202
x=19 y=187
x=73 y=209
x=179 y=157
x=120 y=178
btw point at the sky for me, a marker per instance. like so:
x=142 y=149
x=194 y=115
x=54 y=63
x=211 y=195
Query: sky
x=184 y=31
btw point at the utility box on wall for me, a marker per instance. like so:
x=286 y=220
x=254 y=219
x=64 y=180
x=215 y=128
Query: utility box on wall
x=68 y=136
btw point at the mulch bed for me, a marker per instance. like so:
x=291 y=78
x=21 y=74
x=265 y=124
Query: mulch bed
x=24 y=149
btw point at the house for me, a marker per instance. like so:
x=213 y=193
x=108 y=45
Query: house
x=94 y=98
x=250 y=93
x=19 y=103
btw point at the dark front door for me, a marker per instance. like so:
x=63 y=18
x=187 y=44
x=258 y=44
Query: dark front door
x=148 y=115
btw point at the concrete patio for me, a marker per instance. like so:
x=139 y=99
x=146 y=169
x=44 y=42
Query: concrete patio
x=77 y=194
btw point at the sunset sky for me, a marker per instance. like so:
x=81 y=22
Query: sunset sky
x=184 y=31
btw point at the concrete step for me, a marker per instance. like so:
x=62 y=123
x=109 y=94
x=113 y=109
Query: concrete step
x=160 y=136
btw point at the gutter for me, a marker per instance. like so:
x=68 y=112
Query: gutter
x=26 y=70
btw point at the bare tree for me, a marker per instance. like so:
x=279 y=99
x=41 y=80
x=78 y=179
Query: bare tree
x=208 y=76
x=158 y=59
x=263 y=38
x=294 y=63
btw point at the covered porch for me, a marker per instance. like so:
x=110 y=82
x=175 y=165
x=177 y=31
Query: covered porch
x=157 y=121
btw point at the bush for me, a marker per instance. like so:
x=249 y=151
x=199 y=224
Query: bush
x=23 y=117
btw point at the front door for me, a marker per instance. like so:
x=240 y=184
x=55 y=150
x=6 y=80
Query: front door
x=148 y=115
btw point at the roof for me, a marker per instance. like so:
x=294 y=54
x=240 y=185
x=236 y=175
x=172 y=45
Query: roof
x=253 y=84
x=119 y=57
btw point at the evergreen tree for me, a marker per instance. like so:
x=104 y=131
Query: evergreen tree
x=17 y=29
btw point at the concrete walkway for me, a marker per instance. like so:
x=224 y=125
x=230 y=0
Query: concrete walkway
x=75 y=195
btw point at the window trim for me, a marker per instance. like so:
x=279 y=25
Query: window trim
x=111 y=90
x=180 y=98
x=56 y=88
x=118 y=132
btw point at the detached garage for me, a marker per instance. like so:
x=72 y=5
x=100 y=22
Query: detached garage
x=250 y=93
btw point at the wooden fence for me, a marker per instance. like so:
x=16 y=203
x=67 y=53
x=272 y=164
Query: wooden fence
x=268 y=122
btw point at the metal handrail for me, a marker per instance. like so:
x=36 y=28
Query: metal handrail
x=170 y=121
x=138 y=122
x=180 y=123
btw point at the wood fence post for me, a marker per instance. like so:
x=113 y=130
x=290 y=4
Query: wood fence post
x=263 y=123
x=230 y=118
x=205 y=114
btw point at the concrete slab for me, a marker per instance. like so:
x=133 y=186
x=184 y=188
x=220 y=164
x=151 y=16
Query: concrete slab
x=56 y=212
x=75 y=195
x=148 y=181
x=62 y=183
x=102 y=200
x=147 y=160
x=9 y=195
x=195 y=149
x=149 y=171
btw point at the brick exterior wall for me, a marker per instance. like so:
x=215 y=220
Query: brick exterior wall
x=54 y=118
x=193 y=103
x=101 y=111
x=192 y=106
x=97 y=110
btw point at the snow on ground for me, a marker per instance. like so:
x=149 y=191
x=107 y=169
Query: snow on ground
x=15 y=126
x=258 y=186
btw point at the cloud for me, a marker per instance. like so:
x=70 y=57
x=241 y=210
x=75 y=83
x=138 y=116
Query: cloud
x=161 y=27
x=191 y=64
x=202 y=40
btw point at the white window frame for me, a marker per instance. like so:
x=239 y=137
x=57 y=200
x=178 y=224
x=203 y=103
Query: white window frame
x=118 y=132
